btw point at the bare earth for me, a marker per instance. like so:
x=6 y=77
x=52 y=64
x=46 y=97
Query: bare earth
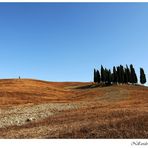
x=39 y=109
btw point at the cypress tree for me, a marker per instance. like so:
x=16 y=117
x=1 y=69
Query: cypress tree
x=114 y=75
x=95 y=76
x=98 y=76
x=109 y=76
x=142 y=76
x=135 y=78
x=118 y=74
x=125 y=75
x=121 y=74
x=128 y=74
x=102 y=74
x=133 y=74
x=105 y=75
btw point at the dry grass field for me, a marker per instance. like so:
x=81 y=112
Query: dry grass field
x=40 y=109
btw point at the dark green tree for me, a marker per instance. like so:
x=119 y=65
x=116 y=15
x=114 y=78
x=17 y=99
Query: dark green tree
x=109 y=76
x=114 y=75
x=102 y=74
x=118 y=74
x=125 y=75
x=95 y=76
x=128 y=74
x=121 y=74
x=142 y=76
x=98 y=76
x=133 y=74
x=106 y=75
x=135 y=78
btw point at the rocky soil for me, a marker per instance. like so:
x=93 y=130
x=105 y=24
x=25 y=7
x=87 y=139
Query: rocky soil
x=19 y=115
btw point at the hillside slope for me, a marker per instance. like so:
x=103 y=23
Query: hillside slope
x=40 y=109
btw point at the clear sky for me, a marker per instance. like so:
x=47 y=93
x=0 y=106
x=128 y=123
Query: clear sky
x=65 y=41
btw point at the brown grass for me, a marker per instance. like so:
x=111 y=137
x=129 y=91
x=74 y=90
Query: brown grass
x=103 y=112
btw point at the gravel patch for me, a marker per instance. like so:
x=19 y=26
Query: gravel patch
x=19 y=115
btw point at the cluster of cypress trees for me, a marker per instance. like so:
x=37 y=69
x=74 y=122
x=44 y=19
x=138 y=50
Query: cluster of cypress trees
x=119 y=75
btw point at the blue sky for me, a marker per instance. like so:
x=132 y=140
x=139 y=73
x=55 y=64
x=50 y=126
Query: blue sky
x=65 y=41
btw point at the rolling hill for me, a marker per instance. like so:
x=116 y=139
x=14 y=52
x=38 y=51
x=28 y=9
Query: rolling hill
x=40 y=109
